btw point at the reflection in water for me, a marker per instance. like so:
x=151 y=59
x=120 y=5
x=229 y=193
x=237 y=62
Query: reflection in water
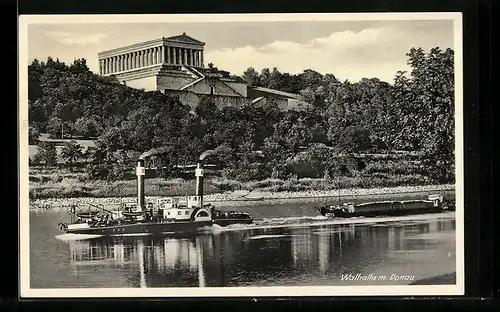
x=282 y=256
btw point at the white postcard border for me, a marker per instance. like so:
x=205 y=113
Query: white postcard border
x=411 y=290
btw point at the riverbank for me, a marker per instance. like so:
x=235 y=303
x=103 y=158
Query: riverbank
x=249 y=197
x=45 y=183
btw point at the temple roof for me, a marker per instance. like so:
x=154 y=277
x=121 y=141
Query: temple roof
x=185 y=39
x=277 y=92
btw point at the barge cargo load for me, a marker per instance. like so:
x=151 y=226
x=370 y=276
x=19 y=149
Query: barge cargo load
x=434 y=203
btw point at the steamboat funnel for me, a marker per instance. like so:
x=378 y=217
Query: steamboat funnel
x=140 y=172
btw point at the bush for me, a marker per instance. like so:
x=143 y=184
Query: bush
x=265 y=183
x=87 y=127
x=227 y=185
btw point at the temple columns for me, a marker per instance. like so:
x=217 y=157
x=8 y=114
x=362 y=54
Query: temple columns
x=149 y=57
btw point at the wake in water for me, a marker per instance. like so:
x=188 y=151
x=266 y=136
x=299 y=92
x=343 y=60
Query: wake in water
x=216 y=229
x=263 y=223
x=321 y=220
x=289 y=220
x=296 y=222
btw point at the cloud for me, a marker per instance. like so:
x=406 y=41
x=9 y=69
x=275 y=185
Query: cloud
x=68 y=38
x=372 y=52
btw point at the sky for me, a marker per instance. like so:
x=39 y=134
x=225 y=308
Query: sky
x=349 y=50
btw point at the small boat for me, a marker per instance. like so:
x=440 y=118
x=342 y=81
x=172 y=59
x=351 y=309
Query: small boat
x=133 y=213
x=164 y=215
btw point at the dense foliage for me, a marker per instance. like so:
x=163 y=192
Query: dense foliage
x=345 y=119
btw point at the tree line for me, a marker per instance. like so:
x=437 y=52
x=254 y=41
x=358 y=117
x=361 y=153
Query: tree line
x=414 y=113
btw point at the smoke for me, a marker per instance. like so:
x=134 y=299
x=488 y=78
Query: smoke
x=165 y=149
x=206 y=153
x=155 y=151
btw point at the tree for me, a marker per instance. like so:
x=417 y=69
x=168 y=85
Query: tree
x=55 y=127
x=98 y=166
x=276 y=80
x=207 y=108
x=265 y=77
x=79 y=66
x=46 y=154
x=87 y=127
x=71 y=152
x=122 y=165
x=251 y=77
x=35 y=71
x=427 y=116
x=33 y=135
x=350 y=139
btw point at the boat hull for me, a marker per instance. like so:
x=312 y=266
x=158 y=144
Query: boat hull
x=146 y=228
x=388 y=212
x=226 y=222
x=389 y=208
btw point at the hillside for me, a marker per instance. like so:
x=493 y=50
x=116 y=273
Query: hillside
x=255 y=143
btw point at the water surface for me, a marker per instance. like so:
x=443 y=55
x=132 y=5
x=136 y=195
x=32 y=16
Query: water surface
x=279 y=251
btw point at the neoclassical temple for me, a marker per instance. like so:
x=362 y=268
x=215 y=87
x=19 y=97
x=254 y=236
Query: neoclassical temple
x=175 y=66
x=176 y=50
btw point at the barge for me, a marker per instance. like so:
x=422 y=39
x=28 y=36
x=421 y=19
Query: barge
x=434 y=203
x=166 y=215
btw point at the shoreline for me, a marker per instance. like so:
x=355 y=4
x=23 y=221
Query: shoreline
x=265 y=195
x=256 y=196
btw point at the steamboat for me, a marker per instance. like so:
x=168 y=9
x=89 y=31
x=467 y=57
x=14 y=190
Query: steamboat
x=166 y=215
x=434 y=203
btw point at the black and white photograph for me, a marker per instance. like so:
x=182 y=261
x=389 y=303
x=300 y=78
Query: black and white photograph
x=208 y=155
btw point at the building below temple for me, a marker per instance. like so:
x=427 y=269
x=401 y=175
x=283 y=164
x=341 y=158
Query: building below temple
x=175 y=66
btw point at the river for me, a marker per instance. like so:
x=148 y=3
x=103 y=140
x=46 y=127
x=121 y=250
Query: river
x=288 y=246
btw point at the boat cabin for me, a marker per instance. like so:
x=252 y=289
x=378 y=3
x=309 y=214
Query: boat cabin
x=179 y=202
x=130 y=206
x=181 y=208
